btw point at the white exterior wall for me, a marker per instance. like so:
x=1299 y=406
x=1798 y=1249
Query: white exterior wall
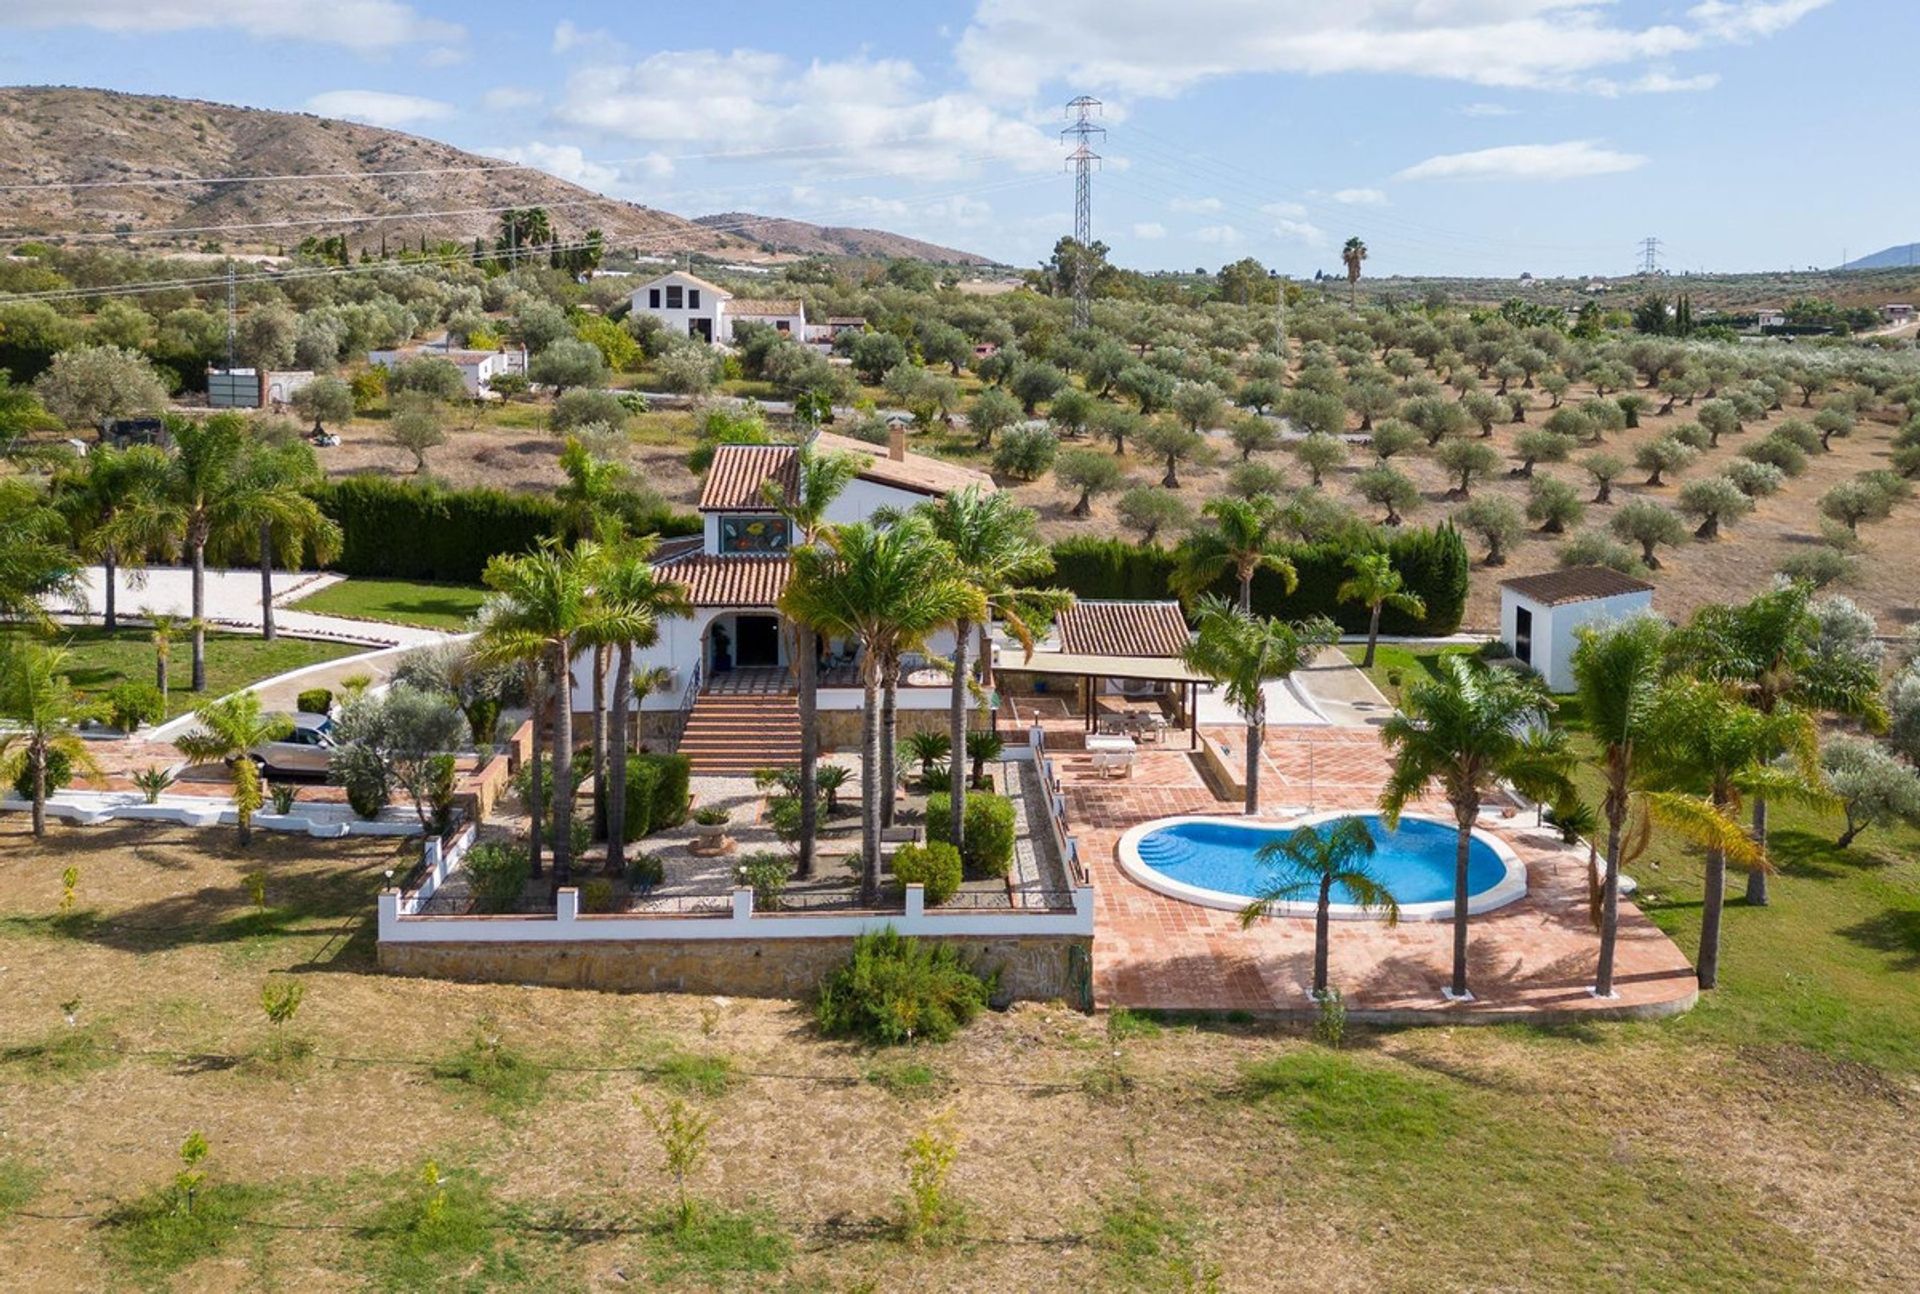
x=1555 y=628
x=712 y=305
x=796 y=324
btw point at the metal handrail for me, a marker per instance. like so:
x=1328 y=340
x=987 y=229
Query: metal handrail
x=685 y=710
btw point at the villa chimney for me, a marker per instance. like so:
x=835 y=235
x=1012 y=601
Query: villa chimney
x=897 y=441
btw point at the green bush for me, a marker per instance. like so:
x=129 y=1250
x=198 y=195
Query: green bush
x=643 y=783
x=935 y=865
x=413 y=531
x=1433 y=562
x=59 y=774
x=894 y=990
x=766 y=873
x=988 y=851
x=672 y=789
x=497 y=873
x=596 y=895
x=131 y=703
x=644 y=871
x=315 y=700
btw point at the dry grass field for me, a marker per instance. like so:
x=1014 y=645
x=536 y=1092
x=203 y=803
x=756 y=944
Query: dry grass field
x=1110 y=1153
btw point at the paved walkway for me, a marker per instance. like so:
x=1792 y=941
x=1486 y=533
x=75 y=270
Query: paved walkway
x=1341 y=693
x=1532 y=958
x=233 y=602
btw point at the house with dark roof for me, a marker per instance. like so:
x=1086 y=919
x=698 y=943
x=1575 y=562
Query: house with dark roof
x=1541 y=615
x=727 y=671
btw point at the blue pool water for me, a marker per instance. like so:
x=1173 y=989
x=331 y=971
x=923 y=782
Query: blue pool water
x=1415 y=862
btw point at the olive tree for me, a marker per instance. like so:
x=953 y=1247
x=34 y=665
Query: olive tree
x=1091 y=473
x=1648 y=524
x=416 y=426
x=1852 y=502
x=1538 y=445
x=991 y=412
x=1666 y=454
x=1604 y=469
x=567 y=363
x=1497 y=521
x=1873 y=787
x=1388 y=488
x=1148 y=512
x=1319 y=454
x=1198 y=404
x=1173 y=443
x=88 y=385
x=324 y=400
x=1554 y=505
x=1711 y=501
x=1464 y=460
x=1393 y=438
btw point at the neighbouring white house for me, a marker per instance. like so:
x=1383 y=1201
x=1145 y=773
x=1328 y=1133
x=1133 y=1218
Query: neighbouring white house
x=1897 y=312
x=1771 y=318
x=693 y=307
x=1541 y=614
x=726 y=680
x=477 y=368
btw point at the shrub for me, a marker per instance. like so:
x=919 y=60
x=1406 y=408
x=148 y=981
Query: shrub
x=583 y=406
x=315 y=700
x=59 y=774
x=643 y=784
x=644 y=871
x=672 y=788
x=895 y=990
x=153 y=781
x=1819 y=566
x=497 y=873
x=935 y=865
x=767 y=874
x=1026 y=453
x=365 y=774
x=712 y=815
x=988 y=849
x=131 y=703
x=597 y=895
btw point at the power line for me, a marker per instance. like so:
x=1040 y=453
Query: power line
x=1649 y=255
x=357 y=218
x=185 y=180
x=1082 y=160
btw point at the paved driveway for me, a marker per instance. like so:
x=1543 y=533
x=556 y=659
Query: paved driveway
x=233 y=602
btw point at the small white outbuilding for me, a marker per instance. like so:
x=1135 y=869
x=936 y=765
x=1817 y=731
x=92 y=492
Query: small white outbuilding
x=1540 y=614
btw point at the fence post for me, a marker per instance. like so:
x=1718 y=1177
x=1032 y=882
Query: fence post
x=387 y=904
x=916 y=904
x=566 y=905
x=743 y=904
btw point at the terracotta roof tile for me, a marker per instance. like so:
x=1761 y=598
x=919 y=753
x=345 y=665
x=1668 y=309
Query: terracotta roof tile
x=1123 y=629
x=728 y=581
x=1575 y=584
x=919 y=472
x=734 y=479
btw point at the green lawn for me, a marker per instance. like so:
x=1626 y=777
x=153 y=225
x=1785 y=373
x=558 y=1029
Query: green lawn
x=1407 y=663
x=400 y=602
x=97 y=660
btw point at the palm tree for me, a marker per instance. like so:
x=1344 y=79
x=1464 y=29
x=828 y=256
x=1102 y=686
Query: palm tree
x=997 y=552
x=1375 y=584
x=1244 y=538
x=541 y=606
x=1616 y=671
x=628 y=580
x=270 y=511
x=1242 y=653
x=1765 y=648
x=108 y=501
x=200 y=504
x=818 y=479
x=1714 y=750
x=41 y=710
x=1353 y=253
x=229 y=730
x=160 y=632
x=36 y=560
x=1312 y=860
x=589 y=509
x=1470 y=729
x=882 y=588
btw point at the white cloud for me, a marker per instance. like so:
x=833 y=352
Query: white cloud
x=858 y=113
x=1654 y=83
x=1019 y=48
x=1194 y=205
x=367 y=26
x=378 y=107
x=1486 y=110
x=509 y=98
x=1217 y=235
x=1359 y=197
x=1575 y=159
x=565 y=161
x=569 y=36
x=1284 y=210
x=445 y=56
x=1149 y=229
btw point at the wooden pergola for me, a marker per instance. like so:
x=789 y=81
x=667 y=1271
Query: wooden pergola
x=1087 y=668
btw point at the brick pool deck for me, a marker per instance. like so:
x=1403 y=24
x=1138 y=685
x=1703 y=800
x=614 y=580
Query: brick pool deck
x=1532 y=959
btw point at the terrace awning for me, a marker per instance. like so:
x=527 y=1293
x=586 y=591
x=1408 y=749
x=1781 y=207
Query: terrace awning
x=1152 y=669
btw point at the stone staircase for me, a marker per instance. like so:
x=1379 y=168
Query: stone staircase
x=735 y=736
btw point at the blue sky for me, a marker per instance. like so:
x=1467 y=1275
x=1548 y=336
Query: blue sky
x=1454 y=136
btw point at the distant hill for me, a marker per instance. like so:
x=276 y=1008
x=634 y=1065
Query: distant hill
x=782 y=235
x=61 y=136
x=1902 y=257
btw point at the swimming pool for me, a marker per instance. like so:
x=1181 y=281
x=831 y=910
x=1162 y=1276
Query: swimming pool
x=1212 y=862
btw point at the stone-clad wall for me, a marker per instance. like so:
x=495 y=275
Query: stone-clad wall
x=1032 y=967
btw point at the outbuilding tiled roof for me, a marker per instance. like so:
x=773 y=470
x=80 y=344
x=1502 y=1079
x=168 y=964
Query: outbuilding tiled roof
x=1095 y=628
x=742 y=306
x=1575 y=584
x=733 y=481
x=713 y=581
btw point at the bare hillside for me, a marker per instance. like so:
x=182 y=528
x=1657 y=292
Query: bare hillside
x=67 y=136
x=780 y=235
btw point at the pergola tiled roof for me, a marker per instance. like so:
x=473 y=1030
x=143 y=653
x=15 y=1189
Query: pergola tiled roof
x=733 y=481
x=713 y=581
x=1575 y=584
x=1095 y=628
x=761 y=306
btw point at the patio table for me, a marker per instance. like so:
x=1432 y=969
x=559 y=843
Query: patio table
x=1110 y=742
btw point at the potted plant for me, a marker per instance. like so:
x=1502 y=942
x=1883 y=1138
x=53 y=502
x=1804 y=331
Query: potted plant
x=710 y=829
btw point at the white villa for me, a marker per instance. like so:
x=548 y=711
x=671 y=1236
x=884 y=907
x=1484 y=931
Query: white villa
x=477 y=368
x=693 y=307
x=728 y=667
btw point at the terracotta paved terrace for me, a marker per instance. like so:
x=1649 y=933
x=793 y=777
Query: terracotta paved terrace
x=1533 y=958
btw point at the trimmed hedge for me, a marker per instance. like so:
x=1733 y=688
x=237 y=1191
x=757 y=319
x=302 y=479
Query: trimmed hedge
x=1434 y=563
x=935 y=865
x=673 y=786
x=315 y=700
x=643 y=784
x=988 y=849
x=410 y=531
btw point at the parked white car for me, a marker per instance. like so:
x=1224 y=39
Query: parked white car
x=304 y=751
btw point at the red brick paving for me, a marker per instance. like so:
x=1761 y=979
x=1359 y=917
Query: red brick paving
x=1532 y=958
